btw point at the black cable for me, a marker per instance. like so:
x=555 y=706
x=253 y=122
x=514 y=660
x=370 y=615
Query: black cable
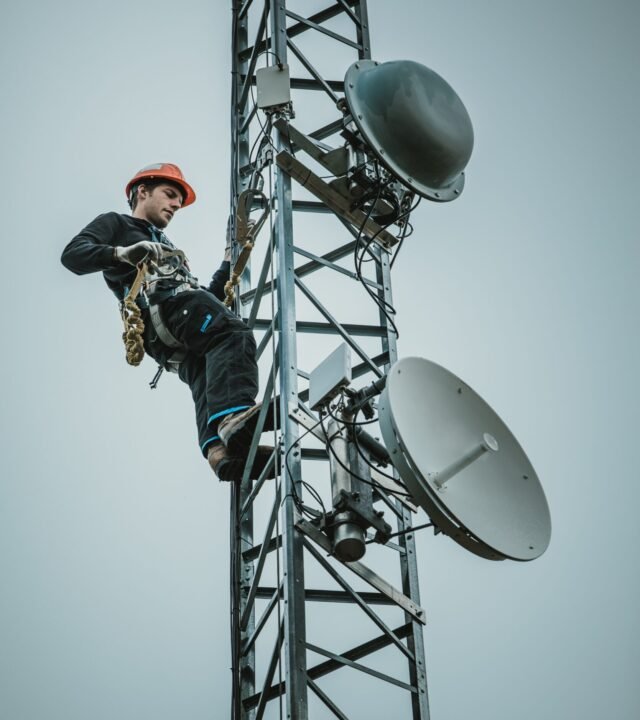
x=315 y=494
x=385 y=307
x=355 y=475
x=353 y=423
x=294 y=494
x=362 y=246
x=404 y=234
x=403 y=532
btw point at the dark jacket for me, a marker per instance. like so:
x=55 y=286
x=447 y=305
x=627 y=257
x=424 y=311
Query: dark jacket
x=92 y=251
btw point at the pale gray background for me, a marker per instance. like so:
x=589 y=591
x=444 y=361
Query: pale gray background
x=113 y=532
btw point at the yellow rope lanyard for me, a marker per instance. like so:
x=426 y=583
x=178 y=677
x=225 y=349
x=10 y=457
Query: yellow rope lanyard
x=238 y=269
x=132 y=318
x=246 y=231
x=130 y=312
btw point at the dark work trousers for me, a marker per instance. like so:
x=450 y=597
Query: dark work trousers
x=220 y=367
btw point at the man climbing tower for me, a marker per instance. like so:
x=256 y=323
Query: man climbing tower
x=187 y=329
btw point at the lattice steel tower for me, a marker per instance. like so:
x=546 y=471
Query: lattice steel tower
x=299 y=165
x=331 y=170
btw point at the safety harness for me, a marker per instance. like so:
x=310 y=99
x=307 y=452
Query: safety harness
x=146 y=293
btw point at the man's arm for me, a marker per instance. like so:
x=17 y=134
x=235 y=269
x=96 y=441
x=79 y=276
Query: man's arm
x=93 y=249
x=223 y=273
x=98 y=247
x=219 y=279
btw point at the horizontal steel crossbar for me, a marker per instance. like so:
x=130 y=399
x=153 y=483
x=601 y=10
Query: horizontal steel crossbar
x=305 y=269
x=358 y=599
x=333 y=266
x=356 y=653
x=321 y=595
x=324 y=84
x=340 y=659
x=254 y=552
x=341 y=330
x=297 y=29
x=307 y=326
x=314 y=26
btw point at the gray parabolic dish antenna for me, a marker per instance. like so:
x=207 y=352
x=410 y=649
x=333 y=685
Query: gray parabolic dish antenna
x=414 y=122
x=462 y=464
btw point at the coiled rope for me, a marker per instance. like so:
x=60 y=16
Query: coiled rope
x=131 y=316
x=132 y=319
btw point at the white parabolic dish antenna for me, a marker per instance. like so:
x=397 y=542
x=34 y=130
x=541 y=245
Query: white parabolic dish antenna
x=462 y=464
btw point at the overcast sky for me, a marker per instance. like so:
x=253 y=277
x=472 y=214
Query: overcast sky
x=113 y=530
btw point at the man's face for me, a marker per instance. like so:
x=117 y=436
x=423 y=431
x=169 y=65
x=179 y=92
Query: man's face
x=158 y=204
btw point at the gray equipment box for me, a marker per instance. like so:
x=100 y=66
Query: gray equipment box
x=326 y=381
x=273 y=86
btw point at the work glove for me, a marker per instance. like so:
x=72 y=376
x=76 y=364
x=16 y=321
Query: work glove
x=138 y=252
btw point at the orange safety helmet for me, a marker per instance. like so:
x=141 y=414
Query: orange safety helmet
x=162 y=171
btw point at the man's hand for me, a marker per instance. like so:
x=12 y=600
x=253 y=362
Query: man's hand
x=138 y=252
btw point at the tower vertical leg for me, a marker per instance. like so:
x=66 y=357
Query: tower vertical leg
x=294 y=620
x=408 y=560
x=241 y=517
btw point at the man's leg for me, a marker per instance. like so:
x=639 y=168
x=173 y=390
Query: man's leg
x=227 y=466
x=193 y=373
x=227 y=346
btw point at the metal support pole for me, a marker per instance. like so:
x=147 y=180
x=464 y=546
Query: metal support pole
x=408 y=559
x=294 y=631
x=241 y=531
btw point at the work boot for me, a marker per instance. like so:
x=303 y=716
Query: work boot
x=236 y=430
x=229 y=468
